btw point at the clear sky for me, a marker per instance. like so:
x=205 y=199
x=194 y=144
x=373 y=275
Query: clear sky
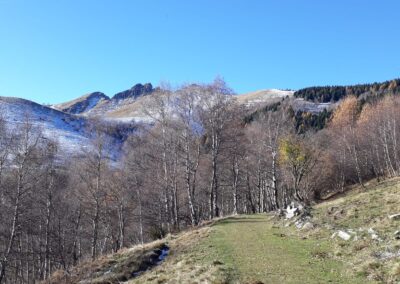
x=56 y=50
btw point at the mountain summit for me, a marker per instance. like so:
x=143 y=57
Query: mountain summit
x=134 y=92
x=82 y=104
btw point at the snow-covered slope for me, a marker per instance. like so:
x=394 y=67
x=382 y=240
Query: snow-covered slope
x=306 y=106
x=67 y=129
x=263 y=96
x=99 y=105
x=84 y=104
x=127 y=106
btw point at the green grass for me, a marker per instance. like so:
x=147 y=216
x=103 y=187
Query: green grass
x=257 y=251
x=251 y=249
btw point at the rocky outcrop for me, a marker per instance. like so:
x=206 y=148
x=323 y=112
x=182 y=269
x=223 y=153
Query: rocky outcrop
x=134 y=92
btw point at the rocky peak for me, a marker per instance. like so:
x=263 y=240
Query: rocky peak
x=134 y=92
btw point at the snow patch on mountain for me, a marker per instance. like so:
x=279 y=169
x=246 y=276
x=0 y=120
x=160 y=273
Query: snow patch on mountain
x=67 y=130
x=263 y=96
x=306 y=106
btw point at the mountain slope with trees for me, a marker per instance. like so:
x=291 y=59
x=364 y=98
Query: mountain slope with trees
x=336 y=93
x=266 y=248
x=199 y=159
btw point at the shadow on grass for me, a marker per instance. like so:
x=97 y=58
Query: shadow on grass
x=233 y=220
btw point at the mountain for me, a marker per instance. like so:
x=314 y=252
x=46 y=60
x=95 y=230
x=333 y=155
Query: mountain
x=68 y=121
x=263 y=96
x=328 y=94
x=134 y=92
x=126 y=105
x=68 y=129
x=123 y=106
x=83 y=104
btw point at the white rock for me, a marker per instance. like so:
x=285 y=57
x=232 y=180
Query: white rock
x=374 y=235
x=350 y=231
x=299 y=224
x=344 y=235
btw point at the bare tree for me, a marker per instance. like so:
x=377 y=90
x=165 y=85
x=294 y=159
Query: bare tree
x=216 y=114
x=25 y=160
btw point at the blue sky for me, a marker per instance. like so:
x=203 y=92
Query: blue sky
x=53 y=51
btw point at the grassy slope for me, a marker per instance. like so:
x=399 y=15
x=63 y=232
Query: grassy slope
x=253 y=249
x=265 y=249
x=361 y=210
x=260 y=251
x=248 y=249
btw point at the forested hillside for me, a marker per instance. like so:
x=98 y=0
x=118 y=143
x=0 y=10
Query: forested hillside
x=335 y=93
x=199 y=159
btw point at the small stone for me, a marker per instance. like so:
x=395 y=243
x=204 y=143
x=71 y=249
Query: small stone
x=308 y=226
x=374 y=235
x=344 y=235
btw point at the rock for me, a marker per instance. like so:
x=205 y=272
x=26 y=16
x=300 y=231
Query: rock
x=374 y=235
x=342 y=234
x=134 y=92
x=308 y=226
x=385 y=255
x=351 y=231
x=299 y=224
x=397 y=235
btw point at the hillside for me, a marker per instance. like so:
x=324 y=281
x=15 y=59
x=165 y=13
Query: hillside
x=69 y=130
x=97 y=104
x=333 y=94
x=266 y=249
x=127 y=105
x=263 y=96
x=199 y=160
x=82 y=104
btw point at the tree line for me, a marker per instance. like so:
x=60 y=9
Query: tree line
x=200 y=159
x=335 y=93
